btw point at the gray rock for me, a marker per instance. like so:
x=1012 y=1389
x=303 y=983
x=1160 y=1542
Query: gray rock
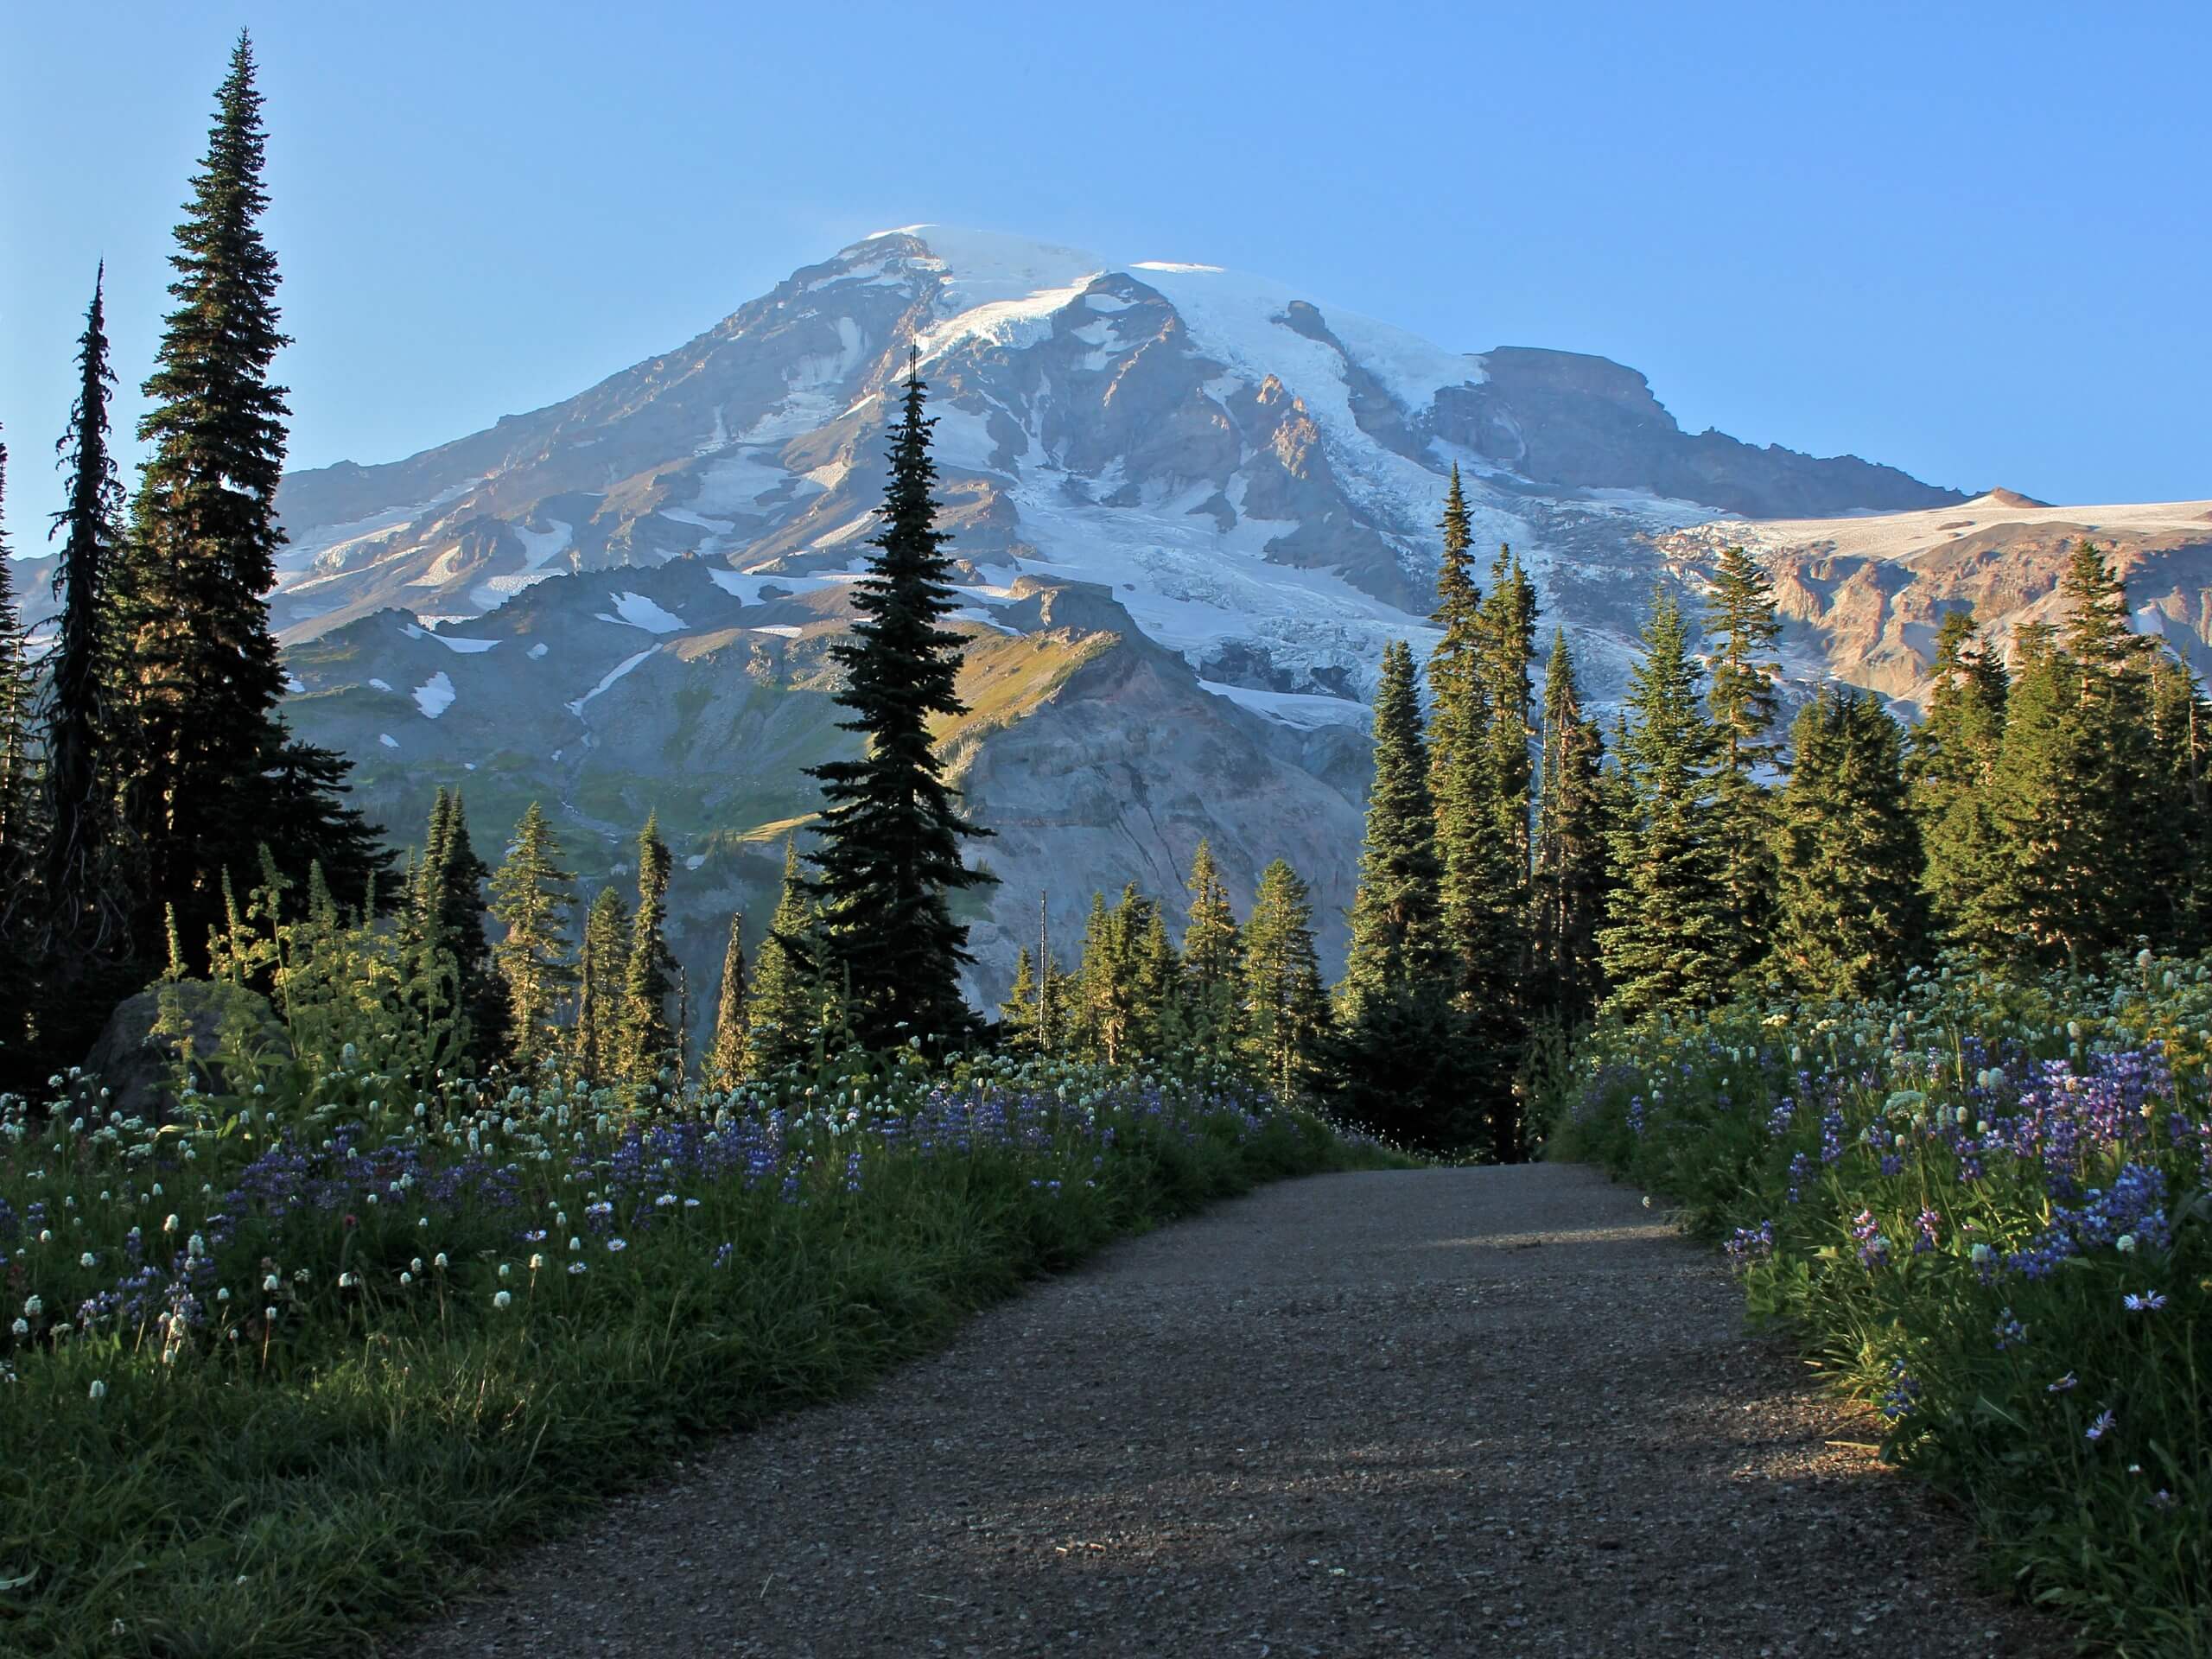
x=139 y=1053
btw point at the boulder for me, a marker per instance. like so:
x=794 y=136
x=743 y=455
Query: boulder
x=137 y=1055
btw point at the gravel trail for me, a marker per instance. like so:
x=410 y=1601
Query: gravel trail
x=1438 y=1412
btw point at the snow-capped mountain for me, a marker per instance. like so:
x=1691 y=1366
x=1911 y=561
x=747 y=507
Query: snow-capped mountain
x=1191 y=505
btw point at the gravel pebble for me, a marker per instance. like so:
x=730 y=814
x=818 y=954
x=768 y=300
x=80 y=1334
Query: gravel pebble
x=1435 y=1412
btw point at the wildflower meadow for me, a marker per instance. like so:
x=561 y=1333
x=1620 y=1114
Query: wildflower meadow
x=1982 y=1206
x=276 y=1370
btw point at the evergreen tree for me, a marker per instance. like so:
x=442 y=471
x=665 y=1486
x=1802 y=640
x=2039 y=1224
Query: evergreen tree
x=87 y=901
x=1117 y=984
x=602 y=970
x=1741 y=615
x=1572 y=880
x=787 y=1003
x=454 y=882
x=20 y=1066
x=1401 y=1071
x=1159 y=986
x=1213 y=973
x=891 y=831
x=19 y=780
x=1287 y=1011
x=1950 y=769
x=647 y=1041
x=1850 y=915
x=728 y=1059
x=2179 y=731
x=198 y=734
x=1018 y=1027
x=1397 y=939
x=532 y=899
x=1667 y=942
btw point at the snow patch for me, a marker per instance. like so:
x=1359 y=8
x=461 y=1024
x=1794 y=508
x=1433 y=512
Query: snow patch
x=694 y=860
x=642 y=612
x=434 y=696
x=613 y=675
x=387 y=740
x=381 y=685
x=537 y=651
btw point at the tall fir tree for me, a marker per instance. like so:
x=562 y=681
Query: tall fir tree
x=19 y=779
x=1572 y=877
x=1118 y=983
x=199 y=682
x=20 y=1054
x=647 y=1041
x=602 y=970
x=2179 y=736
x=1495 y=1012
x=788 y=1002
x=1213 y=968
x=1018 y=1024
x=1667 y=942
x=729 y=1056
x=533 y=897
x=1850 y=915
x=1401 y=1070
x=1741 y=620
x=1285 y=1008
x=454 y=882
x=87 y=903
x=1950 y=769
x=889 y=857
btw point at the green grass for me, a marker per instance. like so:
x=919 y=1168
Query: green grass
x=295 y=1487
x=1983 y=1208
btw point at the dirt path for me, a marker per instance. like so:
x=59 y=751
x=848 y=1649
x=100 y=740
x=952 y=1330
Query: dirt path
x=1435 y=1412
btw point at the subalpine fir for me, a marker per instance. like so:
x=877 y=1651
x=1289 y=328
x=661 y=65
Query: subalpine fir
x=1213 y=952
x=198 y=681
x=1285 y=1008
x=1570 y=880
x=1950 y=769
x=728 y=1055
x=87 y=901
x=1401 y=1070
x=1740 y=617
x=532 y=899
x=1667 y=942
x=889 y=857
x=647 y=1042
x=787 y=1003
x=1850 y=916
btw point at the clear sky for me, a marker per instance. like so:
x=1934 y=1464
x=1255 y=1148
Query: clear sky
x=1970 y=240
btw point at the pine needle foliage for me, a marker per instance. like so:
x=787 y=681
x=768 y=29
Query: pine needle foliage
x=533 y=897
x=729 y=1054
x=1850 y=916
x=647 y=1041
x=889 y=855
x=1285 y=1008
x=1572 y=880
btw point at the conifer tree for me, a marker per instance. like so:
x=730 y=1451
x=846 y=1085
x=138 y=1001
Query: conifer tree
x=1950 y=769
x=1287 y=1011
x=1117 y=993
x=889 y=857
x=1213 y=991
x=87 y=903
x=1571 y=878
x=647 y=1042
x=602 y=970
x=1741 y=615
x=198 y=733
x=19 y=1063
x=1159 y=986
x=787 y=1002
x=729 y=1057
x=1396 y=937
x=2179 y=732
x=532 y=899
x=1850 y=914
x=1401 y=1071
x=19 y=836
x=1018 y=1014
x=1668 y=943
x=453 y=880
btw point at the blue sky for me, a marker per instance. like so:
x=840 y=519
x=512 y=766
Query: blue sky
x=1970 y=240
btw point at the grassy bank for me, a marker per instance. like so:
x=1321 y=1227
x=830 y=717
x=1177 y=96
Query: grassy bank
x=1983 y=1207
x=277 y=1378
